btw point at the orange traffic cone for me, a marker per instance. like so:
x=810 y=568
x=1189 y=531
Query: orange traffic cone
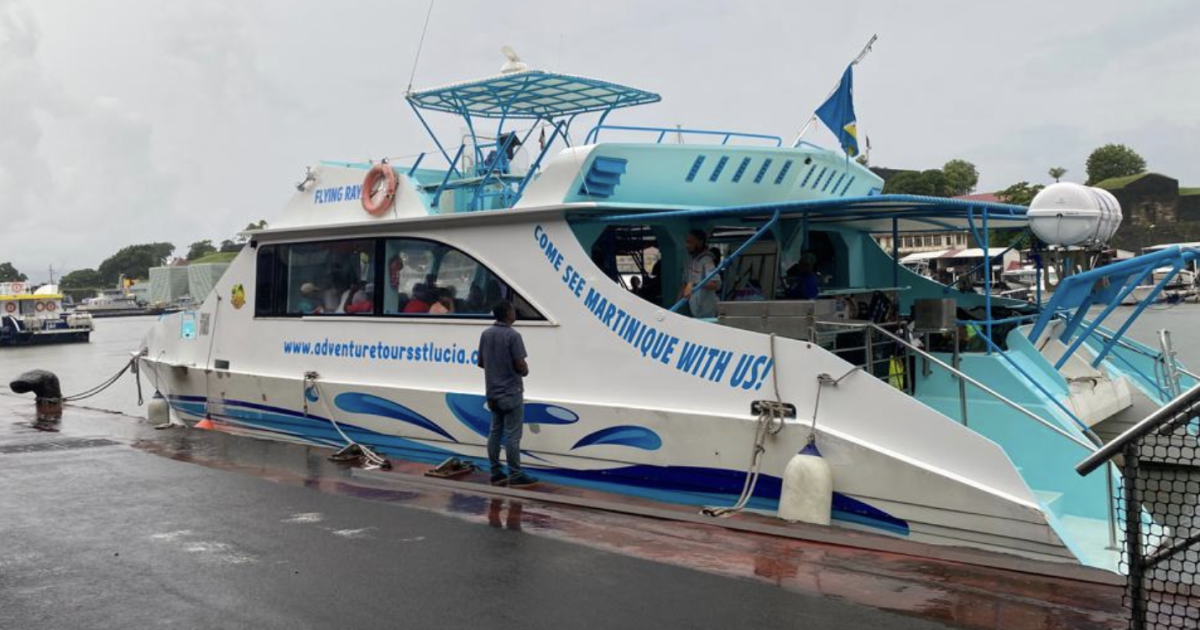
x=206 y=423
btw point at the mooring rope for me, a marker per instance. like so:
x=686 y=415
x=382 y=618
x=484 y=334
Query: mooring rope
x=108 y=382
x=373 y=459
x=770 y=422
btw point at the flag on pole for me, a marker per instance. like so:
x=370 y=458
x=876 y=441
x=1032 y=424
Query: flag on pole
x=837 y=112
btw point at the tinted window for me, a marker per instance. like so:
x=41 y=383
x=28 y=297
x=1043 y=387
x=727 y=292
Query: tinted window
x=326 y=278
x=416 y=278
x=428 y=278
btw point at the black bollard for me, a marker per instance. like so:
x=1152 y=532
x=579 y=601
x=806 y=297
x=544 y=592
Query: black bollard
x=45 y=387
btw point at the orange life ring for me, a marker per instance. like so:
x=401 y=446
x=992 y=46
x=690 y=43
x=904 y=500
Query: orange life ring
x=11 y=307
x=51 y=306
x=39 y=307
x=379 y=189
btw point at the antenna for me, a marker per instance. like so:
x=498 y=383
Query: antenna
x=420 y=45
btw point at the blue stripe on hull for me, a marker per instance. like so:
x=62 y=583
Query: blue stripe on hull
x=688 y=485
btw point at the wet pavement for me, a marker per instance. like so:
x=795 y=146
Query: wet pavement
x=108 y=523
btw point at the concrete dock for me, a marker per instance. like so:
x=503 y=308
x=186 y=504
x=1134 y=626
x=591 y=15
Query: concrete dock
x=109 y=523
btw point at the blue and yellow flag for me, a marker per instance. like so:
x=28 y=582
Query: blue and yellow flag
x=838 y=113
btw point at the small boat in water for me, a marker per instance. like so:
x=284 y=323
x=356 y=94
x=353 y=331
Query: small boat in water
x=38 y=317
x=947 y=417
x=116 y=303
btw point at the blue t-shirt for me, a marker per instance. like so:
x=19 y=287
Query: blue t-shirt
x=499 y=347
x=804 y=287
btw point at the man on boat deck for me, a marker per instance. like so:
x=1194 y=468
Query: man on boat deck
x=702 y=301
x=502 y=357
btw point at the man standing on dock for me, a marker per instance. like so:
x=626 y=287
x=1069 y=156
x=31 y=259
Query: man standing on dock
x=502 y=358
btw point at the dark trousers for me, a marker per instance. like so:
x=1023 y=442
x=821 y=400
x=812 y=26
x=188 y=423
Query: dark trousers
x=508 y=418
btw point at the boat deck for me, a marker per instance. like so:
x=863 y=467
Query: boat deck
x=110 y=523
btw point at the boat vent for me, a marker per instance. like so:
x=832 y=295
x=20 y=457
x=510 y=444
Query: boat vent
x=603 y=177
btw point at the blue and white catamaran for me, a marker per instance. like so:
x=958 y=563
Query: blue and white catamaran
x=946 y=417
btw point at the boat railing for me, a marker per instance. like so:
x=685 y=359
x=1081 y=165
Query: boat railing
x=965 y=379
x=678 y=132
x=959 y=374
x=1159 y=460
x=867 y=350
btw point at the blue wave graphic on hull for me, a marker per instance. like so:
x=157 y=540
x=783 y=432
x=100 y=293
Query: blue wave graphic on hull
x=624 y=435
x=355 y=402
x=471 y=410
x=689 y=485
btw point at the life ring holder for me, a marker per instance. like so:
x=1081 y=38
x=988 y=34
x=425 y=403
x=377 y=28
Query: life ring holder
x=39 y=307
x=379 y=189
x=51 y=307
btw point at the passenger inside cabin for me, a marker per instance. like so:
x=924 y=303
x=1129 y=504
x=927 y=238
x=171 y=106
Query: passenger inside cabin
x=363 y=300
x=652 y=288
x=702 y=300
x=309 y=299
x=421 y=299
x=635 y=285
x=395 y=266
x=802 y=282
x=445 y=302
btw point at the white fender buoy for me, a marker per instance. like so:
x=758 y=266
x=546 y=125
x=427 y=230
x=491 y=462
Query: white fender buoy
x=807 y=493
x=157 y=411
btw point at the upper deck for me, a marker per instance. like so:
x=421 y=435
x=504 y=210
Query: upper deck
x=526 y=146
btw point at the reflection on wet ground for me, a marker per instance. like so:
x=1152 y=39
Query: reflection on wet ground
x=950 y=592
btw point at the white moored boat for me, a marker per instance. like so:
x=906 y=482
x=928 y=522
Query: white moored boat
x=323 y=326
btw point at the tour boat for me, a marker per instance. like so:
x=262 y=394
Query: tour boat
x=945 y=417
x=38 y=317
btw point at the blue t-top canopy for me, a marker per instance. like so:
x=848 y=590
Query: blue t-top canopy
x=530 y=94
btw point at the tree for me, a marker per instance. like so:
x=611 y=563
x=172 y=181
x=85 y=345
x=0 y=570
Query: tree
x=1113 y=160
x=9 y=273
x=229 y=245
x=82 y=279
x=961 y=177
x=937 y=182
x=241 y=239
x=134 y=261
x=200 y=249
x=1020 y=193
x=930 y=183
x=1057 y=172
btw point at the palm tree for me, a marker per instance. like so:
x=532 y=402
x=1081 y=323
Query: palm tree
x=1057 y=172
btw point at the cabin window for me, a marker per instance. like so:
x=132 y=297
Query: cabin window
x=428 y=278
x=417 y=277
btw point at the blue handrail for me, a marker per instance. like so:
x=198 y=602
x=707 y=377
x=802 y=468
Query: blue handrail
x=662 y=132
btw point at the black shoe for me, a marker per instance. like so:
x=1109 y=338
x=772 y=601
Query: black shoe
x=499 y=479
x=521 y=480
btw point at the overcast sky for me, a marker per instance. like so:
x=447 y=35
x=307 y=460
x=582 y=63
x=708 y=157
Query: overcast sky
x=130 y=121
